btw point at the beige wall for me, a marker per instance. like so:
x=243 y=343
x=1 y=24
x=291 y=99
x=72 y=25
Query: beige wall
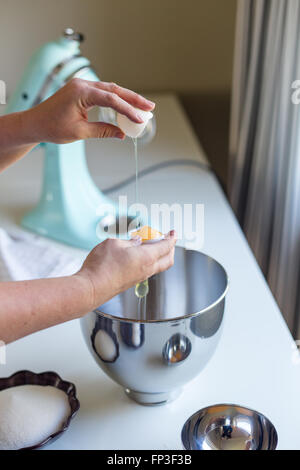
x=180 y=45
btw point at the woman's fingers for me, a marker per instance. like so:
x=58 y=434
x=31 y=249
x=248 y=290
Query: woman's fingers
x=102 y=130
x=122 y=100
x=160 y=249
x=98 y=97
x=164 y=263
x=130 y=96
x=157 y=257
x=112 y=96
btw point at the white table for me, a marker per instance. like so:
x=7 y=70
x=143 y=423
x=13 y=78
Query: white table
x=253 y=365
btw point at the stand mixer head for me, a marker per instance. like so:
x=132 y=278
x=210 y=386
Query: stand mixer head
x=70 y=204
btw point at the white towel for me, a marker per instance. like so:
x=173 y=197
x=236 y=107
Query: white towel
x=25 y=256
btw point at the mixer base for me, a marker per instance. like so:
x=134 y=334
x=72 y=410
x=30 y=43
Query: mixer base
x=153 y=399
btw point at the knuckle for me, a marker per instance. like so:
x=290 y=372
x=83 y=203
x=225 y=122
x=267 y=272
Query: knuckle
x=111 y=243
x=113 y=99
x=120 y=245
x=76 y=83
x=113 y=87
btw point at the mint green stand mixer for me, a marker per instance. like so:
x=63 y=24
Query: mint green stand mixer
x=70 y=204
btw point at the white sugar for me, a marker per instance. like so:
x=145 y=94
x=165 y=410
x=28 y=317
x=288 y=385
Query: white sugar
x=29 y=414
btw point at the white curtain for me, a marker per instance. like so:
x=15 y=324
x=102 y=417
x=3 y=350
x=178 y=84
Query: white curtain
x=264 y=185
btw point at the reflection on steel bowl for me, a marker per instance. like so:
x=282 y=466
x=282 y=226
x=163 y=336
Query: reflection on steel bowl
x=133 y=334
x=182 y=326
x=104 y=340
x=177 y=349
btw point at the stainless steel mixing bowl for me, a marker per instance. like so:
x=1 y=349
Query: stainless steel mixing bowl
x=154 y=346
x=228 y=427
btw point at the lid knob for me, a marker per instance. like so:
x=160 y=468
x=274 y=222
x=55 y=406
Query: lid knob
x=69 y=33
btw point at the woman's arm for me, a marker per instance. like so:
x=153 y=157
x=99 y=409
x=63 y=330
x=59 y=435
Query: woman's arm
x=15 y=137
x=29 y=306
x=63 y=118
x=112 y=267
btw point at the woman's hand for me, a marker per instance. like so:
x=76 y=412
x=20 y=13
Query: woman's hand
x=63 y=117
x=116 y=265
x=110 y=268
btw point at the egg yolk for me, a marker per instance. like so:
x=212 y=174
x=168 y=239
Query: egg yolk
x=146 y=233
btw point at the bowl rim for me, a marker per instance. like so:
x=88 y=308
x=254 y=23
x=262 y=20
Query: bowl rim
x=33 y=378
x=228 y=405
x=174 y=319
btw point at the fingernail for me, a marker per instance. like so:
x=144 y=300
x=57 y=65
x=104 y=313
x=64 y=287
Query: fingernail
x=140 y=118
x=137 y=240
x=152 y=103
x=172 y=234
x=120 y=135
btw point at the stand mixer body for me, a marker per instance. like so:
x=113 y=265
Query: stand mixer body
x=71 y=209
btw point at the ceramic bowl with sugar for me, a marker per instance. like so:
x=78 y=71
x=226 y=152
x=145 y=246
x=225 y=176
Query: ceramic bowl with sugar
x=45 y=379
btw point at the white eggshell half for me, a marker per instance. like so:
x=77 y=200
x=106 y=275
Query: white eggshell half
x=154 y=240
x=130 y=128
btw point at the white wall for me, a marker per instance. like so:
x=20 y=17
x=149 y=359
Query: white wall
x=181 y=45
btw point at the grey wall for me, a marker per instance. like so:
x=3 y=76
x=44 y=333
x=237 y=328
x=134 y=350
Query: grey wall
x=185 y=46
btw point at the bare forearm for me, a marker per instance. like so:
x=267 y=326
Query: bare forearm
x=29 y=306
x=16 y=137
